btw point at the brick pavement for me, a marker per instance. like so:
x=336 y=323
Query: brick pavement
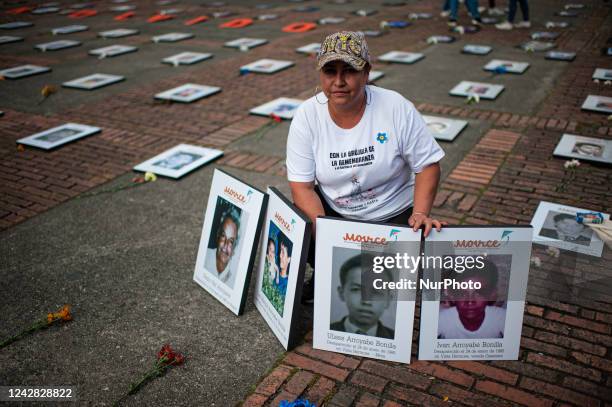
x=565 y=348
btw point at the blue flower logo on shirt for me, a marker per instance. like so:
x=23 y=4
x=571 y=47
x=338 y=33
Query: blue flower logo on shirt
x=382 y=138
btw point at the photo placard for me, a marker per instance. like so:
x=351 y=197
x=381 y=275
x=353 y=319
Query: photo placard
x=476 y=49
x=187 y=93
x=365 y=12
x=476 y=313
x=602 y=104
x=443 y=128
x=179 y=160
x=560 y=55
x=440 y=39
x=537 y=46
x=13 y=25
x=351 y=315
x=507 y=66
x=7 y=39
x=603 y=74
x=483 y=90
x=187 y=58
x=555 y=225
x=544 y=35
x=23 y=71
x=245 y=43
x=584 y=148
x=69 y=29
x=94 y=81
x=112 y=51
x=282 y=262
x=267 y=66
x=58 y=136
x=401 y=57
x=172 y=37
x=312 y=48
x=57 y=45
x=118 y=33
x=282 y=107
x=230 y=238
x=331 y=20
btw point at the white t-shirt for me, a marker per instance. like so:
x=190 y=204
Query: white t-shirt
x=367 y=172
x=450 y=326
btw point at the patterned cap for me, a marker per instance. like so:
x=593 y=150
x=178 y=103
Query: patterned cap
x=347 y=46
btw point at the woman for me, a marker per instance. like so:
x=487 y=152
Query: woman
x=367 y=148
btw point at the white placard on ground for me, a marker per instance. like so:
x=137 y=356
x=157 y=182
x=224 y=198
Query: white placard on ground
x=482 y=90
x=282 y=107
x=188 y=93
x=58 y=136
x=179 y=160
x=443 y=128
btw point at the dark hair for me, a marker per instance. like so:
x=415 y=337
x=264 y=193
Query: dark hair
x=562 y=216
x=489 y=272
x=284 y=241
x=358 y=261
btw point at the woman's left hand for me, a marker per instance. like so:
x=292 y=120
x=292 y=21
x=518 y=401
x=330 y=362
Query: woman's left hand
x=418 y=219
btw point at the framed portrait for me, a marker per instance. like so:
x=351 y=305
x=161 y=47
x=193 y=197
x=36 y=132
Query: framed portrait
x=544 y=35
x=282 y=107
x=188 y=93
x=45 y=10
x=267 y=17
x=476 y=49
x=603 y=74
x=7 y=39
x=401 y=57
x=375 y=75
x=57 y=45
x=596 y=103
x=179 y=160
x=507 y=66
x=537 y=46
x=268 y=66
x=483 y=90
x=118 y=33
x=172 y=37
x=354 y=312
x=312 y=48
x=280 y=272
x=122 y=9
x=555 y=225
x=584 y=148
x=245 y=43
x=94 y=81
x=23 y=71
x=420 y=16
x=69 y=29
x=331 y=20
x=112 y=51
x=557 y=24
x=560 y=56
x=473 y=292
x=373 y=33
x=440 y=39
x=57 y=136
x=443 y=128
x=365 y=12
x=13 y=25
x=567 y=13
x=187 y=58
x=230 y=238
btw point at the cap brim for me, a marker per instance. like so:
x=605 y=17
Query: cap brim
x=357 y=63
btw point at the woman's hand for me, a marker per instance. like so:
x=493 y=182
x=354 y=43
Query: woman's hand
x=418 y=218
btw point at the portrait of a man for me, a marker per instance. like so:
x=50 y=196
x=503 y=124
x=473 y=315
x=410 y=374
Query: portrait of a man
x=223 y=242
x=565 y=228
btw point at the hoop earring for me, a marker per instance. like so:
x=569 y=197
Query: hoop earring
x=316 y=92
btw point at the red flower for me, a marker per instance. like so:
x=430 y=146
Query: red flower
x=275 y=118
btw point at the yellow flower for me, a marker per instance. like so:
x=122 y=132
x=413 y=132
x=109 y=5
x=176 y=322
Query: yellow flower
x=150 y=177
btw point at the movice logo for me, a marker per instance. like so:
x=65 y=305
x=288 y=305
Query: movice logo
x=357 y=238
x=505 y=237
x=282 y=222
x=393 y=234
x=237 y=196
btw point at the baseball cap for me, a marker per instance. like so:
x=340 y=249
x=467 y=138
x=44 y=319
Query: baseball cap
x=347 y=46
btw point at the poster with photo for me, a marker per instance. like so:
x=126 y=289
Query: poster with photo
x=351 y=315
x=584 y=148
x=179 y=160
x=118 y=33
x=602 y=104
x=282 y=107
x=560 y=55
x=537 y=46
x=473 y=292
x=187 y=58
x=499 y=65
x=58 y=136
x=245 y=43
x=190 y=92
x=13 y=25
x=172 y=37
x=544 y=35
x=7 y=39
x=476 y=49
x=112 y=51
x=69 y=29
x=267 y=66
x=312 y=48
x=93 y=81
x=556 y=225
x=443 y=128
x=440 y=39
x=482 y=90
x=230 y=238
x=23 y=71
x=401 y=57
x=282 y=262
x=603 y=74
x=57 y=45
